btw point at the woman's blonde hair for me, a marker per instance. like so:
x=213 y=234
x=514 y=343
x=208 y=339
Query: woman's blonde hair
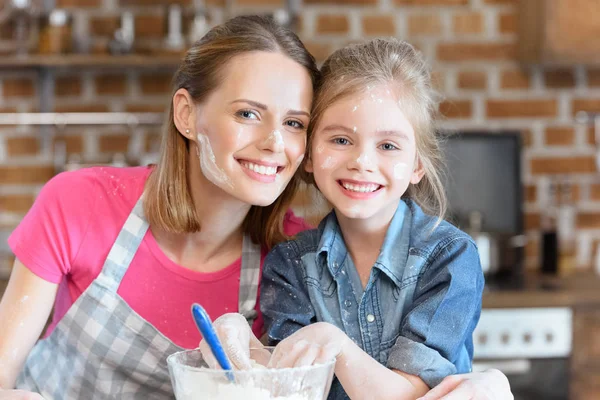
x=168 y=202
x=355 y=68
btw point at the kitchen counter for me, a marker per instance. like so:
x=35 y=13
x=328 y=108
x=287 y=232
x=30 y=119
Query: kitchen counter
x=578 y=289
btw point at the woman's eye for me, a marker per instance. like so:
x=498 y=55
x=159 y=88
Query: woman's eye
x=295 y=124
x=247 y=114
x=388 y=146
x=341 y=141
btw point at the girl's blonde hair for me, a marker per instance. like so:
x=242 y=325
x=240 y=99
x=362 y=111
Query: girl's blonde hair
x=168 y=203
x=355 y=68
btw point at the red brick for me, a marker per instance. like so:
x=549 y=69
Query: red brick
x=111 y=84
x=496 y=2
x=424 y=24
x=327 y=23
x=563 y=136
x=152 y=142
x=438 y=80
x=593 y=77
x=156 y=83
x=530 y=193
x=468 y=23
x=508 y=23
x=563 y=165
x=456 y=109
x=22 y=146
x=73 y=143
x=259 y=2
x=319 y=50
x=153 y=2
x=378 y=25
x=588 y=220
x=23 y=175
x=16 y=203
x=472 y=80
x=149 y=26
x=115 y=143
x=103 y=26
x=78 y=3
x=515 y=79
x=431 y=2
x=67 y=86
x=595 y=192
x=521 y=108
x=342 y=2
x=456 y=52
x=590 y=105
x=559 y=79
x=18 y=87
x=532 y=221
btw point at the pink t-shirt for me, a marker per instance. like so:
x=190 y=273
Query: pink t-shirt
x=68 y=233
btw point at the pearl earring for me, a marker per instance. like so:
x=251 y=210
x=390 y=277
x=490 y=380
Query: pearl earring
x=187 y=131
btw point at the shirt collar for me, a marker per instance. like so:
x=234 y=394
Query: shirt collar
x=331 y=246
x=394 y=252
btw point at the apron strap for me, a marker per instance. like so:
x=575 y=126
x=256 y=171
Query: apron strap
x=124 y=248
x=249 y=279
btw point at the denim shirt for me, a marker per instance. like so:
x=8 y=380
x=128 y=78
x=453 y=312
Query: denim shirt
x=418 y=310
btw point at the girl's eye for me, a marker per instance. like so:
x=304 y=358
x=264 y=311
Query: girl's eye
x=341 y=141
x=295 y=124
x=388 y=147
x=247 y=114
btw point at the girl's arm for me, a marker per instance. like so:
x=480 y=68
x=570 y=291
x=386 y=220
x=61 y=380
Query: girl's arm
x=361 y=376
x=487 y=385
x=24 y=310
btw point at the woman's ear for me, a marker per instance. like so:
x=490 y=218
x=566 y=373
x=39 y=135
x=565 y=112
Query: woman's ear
x=184 y=113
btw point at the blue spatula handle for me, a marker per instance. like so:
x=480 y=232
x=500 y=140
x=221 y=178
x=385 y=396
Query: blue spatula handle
x=209 y=334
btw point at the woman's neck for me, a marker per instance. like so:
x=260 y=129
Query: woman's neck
x=219 y=241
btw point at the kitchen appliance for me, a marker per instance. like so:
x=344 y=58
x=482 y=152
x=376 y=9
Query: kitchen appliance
x=484 y=190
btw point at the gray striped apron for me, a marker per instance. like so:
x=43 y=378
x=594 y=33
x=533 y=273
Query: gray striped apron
x=101 y=348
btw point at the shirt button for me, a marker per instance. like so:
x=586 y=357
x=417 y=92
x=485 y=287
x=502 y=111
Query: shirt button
x=370 y=318
x=347 y=303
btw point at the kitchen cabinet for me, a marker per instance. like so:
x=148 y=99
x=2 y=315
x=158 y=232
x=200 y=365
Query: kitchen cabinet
x=585 y=362
x=559 y=32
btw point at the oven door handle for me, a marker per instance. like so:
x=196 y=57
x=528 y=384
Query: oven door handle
x=519 y=366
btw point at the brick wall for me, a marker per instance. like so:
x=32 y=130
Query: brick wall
x=472 y=45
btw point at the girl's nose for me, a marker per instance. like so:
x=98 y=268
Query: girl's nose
x=273 y=142
x=363 y=160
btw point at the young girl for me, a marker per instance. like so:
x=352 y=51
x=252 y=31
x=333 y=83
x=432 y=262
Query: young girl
x=122 y=253
x=384 y=282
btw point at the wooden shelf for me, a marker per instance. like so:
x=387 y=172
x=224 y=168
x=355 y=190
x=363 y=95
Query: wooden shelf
x=85 y=60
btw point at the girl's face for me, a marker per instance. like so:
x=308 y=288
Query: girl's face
x=250 y=132
x=363 y=155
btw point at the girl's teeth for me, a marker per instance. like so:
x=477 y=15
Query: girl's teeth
x=260 y=169
x=360 y=188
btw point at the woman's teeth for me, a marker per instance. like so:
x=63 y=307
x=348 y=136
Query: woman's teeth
x=360 y=188
x=259 y=169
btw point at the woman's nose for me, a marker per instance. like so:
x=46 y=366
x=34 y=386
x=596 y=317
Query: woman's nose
x=273 y=142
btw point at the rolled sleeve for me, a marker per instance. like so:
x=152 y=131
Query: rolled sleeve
x=284 y=299
x=436 y=336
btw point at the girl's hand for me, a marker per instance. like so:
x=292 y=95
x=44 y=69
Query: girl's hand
x=487 y=385
x=237 y=339
x=19 y=395
x=314 y=344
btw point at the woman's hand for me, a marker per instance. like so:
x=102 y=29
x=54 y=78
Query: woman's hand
x=488 y=385
x=19 y=395
x=314 y=344
x=236 y=337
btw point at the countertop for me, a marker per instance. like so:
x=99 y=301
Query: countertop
x=577 y=289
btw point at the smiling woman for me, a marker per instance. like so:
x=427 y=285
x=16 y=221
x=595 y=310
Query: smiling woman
x=133 y=248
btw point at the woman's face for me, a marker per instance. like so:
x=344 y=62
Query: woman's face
x=250 y=133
